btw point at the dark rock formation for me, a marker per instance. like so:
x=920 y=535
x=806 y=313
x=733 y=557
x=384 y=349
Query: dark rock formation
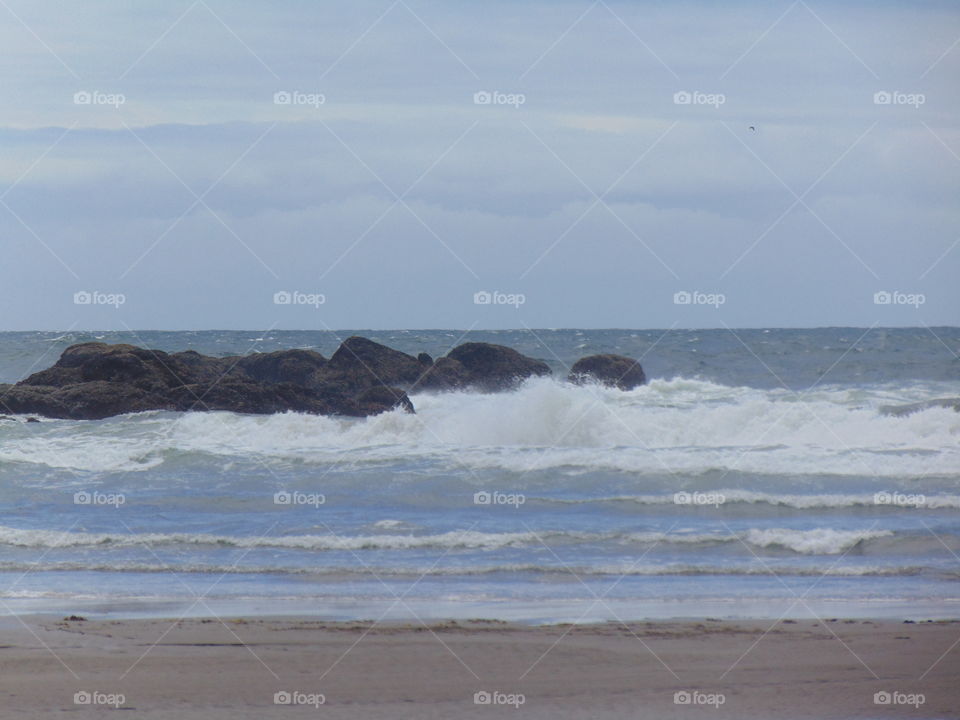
x=94 y=380
x=364 y=363
x=381 y=399
x=295 y=366
x=902 y=410
x=611 y=370
x=483 y=366
x=444 y=374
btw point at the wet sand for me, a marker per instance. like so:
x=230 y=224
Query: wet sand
x=203 y=668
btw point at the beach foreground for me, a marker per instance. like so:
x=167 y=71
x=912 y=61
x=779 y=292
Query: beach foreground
x=289 y=667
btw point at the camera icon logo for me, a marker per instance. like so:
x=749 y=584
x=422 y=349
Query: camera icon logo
x=882 y=298
x=482 y=298
x=282 y=698
x=282 y=498
x=681 y=498
x=882 y=98
x=882 y=698
x=82 y=498
x=682 y=697
x=282 y=98
x=82 y=98
x=482 y=498
x=81 y=697
x=482 y=98
x=282 y=298
x=482 y=697
x=682 y=98
x=82 y=298
x=682 y=298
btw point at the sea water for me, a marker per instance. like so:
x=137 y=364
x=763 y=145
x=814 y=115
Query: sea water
x=753 y=476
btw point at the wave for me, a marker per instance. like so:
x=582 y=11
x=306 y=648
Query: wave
x=749 y=497
x=376 y=571
x=669 y=426
x=817 y=541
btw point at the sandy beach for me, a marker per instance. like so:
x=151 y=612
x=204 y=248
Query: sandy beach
x=288 y=667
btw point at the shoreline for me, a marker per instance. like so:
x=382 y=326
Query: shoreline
x=234 y=668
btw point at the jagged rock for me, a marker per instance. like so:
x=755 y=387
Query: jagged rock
x=610 y=370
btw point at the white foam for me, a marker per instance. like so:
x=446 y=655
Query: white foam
x=818 y=541
x=670 y=426
x=732 y=496
x=372 y=572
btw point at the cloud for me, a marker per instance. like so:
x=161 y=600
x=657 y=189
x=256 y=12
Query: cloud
x=398 y=197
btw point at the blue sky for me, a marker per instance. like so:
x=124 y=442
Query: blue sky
x=188 y=165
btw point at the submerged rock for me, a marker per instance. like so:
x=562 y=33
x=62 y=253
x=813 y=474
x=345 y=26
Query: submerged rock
x=611 y=370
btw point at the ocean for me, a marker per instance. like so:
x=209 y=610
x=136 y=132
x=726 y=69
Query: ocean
x=754 y=476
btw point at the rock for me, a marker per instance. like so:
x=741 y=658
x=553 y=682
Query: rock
x=610 y=370
x=294 y=366
x=363 y=363
x=444 y=375
x=32 y=419
x=96 y=380
x=383 y=399
x=39 y=400
x=191 y=367
x=902 y=410
x=491 y=367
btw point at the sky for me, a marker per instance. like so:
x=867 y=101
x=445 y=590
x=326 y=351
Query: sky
x=405 y=164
